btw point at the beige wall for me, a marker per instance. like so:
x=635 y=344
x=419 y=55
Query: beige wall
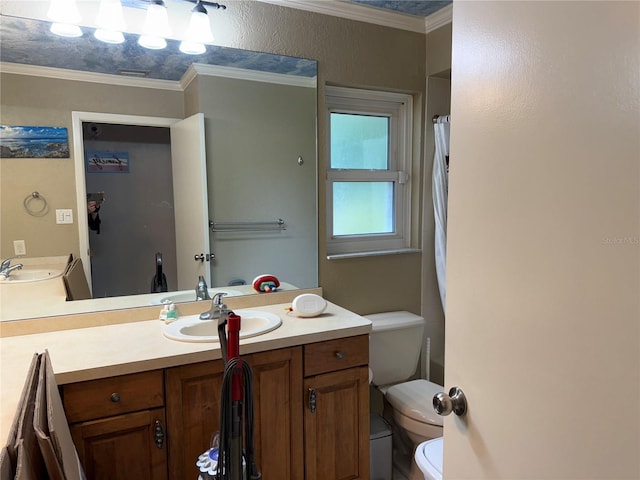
x=255 y=132
x=438 y=103
x=439 y=51
x=349 y=53
x=358 y=54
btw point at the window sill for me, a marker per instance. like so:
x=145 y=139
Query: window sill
x=339 y=256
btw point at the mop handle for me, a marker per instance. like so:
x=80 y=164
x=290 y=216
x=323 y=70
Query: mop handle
x=233 y=333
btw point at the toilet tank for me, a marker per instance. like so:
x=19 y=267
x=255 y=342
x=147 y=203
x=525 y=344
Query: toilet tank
x=394 y=346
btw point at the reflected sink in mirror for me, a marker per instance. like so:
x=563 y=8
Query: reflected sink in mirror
x=192 y=329
x=190 y=295
x=31 y=275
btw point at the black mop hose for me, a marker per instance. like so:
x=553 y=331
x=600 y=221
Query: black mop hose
x=236 y=366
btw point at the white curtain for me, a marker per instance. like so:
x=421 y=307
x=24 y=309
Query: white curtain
x=440 y=192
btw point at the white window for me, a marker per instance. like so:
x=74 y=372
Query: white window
x=368 y=188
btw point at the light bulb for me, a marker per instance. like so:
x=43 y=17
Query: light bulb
x=65 y=16
x=110 y=22
x=199 y=30
x=65 y=30
x=156 y=27
x=64 y=11
x=192 y=48
x=157 y=20
x=109 y=36
x=151 y=42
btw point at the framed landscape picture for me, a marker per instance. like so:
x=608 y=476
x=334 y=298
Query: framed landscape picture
x=33 y=142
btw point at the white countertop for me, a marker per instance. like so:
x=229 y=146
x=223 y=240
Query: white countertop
x=104 y=351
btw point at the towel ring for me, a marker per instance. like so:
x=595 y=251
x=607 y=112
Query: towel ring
x=35 y=196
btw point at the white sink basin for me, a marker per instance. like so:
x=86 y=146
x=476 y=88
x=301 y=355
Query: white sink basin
x=190 y=295
x=31 y=275
x=192 y=329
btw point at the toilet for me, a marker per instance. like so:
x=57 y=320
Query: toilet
x=395 y=344
x=429 y=458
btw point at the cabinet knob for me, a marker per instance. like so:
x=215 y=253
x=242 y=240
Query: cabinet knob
x=339 y=355
x=115 y=397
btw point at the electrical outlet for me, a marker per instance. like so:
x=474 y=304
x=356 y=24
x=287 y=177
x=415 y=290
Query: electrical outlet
x=19 y=248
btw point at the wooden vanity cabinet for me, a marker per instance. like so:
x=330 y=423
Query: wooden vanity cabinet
x=311 y=416
x=336 y=418
x=193 y=413
x=118 y=426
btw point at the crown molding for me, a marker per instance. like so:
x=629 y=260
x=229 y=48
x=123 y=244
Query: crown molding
x=194 y=70
x=353 y=11
x=244 y=74
x=439 y=19
x=64 y=74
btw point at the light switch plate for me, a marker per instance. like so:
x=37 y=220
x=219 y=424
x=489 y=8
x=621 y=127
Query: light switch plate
x=64 y=215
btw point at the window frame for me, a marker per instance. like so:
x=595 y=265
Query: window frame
x=398 y=108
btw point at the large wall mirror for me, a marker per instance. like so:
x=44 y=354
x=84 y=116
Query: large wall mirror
x=259 y=125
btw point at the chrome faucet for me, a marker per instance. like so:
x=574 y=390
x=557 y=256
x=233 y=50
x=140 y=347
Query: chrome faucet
x=218 y=309
x=6 y=268
x=5 y=264
x=202 y=291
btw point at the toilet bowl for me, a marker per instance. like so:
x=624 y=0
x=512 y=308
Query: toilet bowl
x=428 y=458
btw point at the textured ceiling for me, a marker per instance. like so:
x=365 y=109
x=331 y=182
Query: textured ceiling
x=28 y=41
x=418 y=8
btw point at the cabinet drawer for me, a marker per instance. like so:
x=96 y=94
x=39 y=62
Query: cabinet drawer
x=113 y=396
x=336 y=354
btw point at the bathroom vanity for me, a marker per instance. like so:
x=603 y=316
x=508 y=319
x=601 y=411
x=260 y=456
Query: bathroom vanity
x=131 y=393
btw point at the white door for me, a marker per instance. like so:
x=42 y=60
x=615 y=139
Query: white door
x=543 y=312
x=190 y=200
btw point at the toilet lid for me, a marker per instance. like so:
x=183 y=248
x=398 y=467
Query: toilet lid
x=414 y=399
x=429 y=458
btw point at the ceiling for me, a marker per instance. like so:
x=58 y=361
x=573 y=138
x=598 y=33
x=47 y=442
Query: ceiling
x=28 y=41
x=417 y=8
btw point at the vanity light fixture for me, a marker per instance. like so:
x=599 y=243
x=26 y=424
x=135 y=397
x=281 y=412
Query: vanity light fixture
x=199 y=31
x=156 y=29
x=110 y=22
x=65 y=16
x=156 y=26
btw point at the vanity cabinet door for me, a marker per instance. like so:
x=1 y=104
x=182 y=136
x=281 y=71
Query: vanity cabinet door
x=123 y=447
x=193 y=413
x=118 y=426
x=336 y=425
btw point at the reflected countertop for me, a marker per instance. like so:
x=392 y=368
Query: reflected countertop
x=93 y=352
x=54 y=301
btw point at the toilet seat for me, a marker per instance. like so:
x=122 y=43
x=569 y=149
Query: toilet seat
x=414 y=400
